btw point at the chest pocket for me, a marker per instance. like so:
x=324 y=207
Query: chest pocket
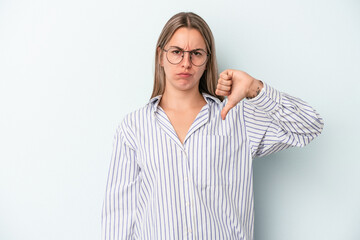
x=214 y=160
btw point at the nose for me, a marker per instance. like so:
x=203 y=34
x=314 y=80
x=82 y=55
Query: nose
x=186 y=62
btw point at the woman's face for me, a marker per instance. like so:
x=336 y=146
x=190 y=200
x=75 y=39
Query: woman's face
x=185 y=75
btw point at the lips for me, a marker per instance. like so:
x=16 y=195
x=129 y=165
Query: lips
x=184 y=74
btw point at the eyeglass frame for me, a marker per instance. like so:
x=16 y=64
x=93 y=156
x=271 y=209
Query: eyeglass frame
x=182 y=57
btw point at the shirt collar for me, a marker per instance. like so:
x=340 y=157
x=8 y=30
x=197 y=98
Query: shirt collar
x=154 y=102
x=208 y=98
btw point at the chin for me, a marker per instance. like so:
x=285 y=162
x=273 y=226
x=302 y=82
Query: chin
x=186 y=85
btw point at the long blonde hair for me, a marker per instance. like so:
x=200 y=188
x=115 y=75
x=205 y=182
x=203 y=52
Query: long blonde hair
x=191 y=20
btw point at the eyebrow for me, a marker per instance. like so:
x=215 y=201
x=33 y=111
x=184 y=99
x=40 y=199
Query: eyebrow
x=190 y=50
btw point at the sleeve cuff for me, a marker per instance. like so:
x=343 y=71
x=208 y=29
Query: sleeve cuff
x=268 y=100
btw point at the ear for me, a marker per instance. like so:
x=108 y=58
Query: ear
x=159 y=55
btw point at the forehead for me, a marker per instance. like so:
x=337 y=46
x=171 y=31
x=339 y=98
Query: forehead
x=187 y=38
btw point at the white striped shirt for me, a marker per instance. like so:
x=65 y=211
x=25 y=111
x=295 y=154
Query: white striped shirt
x=159 y=188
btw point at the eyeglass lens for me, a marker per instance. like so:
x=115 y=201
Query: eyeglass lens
x=175 y=55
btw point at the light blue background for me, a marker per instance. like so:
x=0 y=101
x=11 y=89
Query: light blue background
x=70 y=70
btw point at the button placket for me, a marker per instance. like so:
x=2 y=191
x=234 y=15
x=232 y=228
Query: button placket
x=187 y=198
x=185 y=153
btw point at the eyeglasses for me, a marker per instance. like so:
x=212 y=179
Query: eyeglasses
x=175 y=55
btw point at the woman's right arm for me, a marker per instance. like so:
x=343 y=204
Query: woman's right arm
x=119 y=208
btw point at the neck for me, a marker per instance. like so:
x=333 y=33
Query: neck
x=182 y=100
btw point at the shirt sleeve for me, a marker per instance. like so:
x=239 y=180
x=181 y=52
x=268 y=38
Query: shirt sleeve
x=276 y=120
x=119 y=207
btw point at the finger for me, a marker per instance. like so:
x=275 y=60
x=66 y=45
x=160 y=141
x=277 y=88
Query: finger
x=222 y=93
x=225 y=76
x=227 y=82
x=223 y=87
x=226 y=109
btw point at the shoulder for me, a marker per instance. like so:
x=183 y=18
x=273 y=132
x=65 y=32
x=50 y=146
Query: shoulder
x=132 y=123
x=136 y=117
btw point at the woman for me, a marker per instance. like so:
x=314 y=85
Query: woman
x=182 y=165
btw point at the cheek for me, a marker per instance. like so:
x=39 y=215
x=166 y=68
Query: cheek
x=168 y=68
x=200 y=72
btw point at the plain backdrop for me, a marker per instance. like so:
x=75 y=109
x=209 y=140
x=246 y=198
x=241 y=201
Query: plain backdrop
x=70 y=70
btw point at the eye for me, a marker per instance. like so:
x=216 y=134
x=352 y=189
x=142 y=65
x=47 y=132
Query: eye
x=197 y=53
x=176 y=52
